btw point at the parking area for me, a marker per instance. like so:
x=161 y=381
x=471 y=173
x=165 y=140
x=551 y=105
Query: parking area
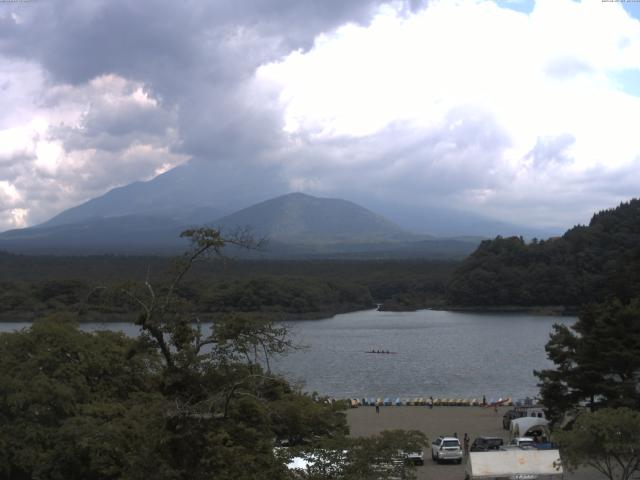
x=474 y=421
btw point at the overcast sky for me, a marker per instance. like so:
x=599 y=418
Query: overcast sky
x=524 y=111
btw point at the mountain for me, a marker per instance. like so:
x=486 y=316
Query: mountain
x=199 y=192
x=297 y=218
x=586 y=264
x=193 y=193
x=296 y=226
x=125 y=234
x=445 y=221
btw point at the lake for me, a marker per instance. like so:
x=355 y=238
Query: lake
x=439 y=353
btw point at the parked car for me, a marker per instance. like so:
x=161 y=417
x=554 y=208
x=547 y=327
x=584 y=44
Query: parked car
x=484 y=444
x=446 y=449
x=521 y=442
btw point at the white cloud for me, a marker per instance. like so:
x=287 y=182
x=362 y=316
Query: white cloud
x=63 y=144
x=544 y=75
x=461 y=103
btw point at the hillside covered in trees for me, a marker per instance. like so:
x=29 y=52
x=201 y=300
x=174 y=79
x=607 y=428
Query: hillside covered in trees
x=587 y=264
x=32 y=286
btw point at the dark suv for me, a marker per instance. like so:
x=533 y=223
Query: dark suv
x=484 y=444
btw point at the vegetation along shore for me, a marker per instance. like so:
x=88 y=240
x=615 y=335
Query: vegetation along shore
x=555 y=276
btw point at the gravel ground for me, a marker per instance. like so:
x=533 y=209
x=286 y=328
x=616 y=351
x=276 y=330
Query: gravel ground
x=475 y=421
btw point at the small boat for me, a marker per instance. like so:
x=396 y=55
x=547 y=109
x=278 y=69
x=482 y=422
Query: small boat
x=398 y=402
x=382 y=352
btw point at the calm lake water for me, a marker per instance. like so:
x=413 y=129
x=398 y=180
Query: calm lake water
x=439 y=353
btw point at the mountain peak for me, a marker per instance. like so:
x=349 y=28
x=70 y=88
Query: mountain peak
x=298 y=217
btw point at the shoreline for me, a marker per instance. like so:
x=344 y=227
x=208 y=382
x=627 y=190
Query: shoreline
x=543 y=310
x=21 y=316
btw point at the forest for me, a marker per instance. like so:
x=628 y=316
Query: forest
x=34 y=285
x=177 y=402
x=587 y=264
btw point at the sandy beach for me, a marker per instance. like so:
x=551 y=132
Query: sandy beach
x=474 y=421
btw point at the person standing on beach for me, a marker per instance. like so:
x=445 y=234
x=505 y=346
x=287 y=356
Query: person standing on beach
x=466 y=445
x=431 y=402
x=378 y=409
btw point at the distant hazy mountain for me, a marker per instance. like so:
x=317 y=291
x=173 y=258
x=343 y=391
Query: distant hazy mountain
x=200 y=192
x=125 y=234
x=196 y=192
x=297 y=218
x=296 y=226
x=451 y=222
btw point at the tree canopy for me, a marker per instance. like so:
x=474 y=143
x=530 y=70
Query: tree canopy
x=586 y=264
x=597 y=360
x=177 y=402
x=607 y=440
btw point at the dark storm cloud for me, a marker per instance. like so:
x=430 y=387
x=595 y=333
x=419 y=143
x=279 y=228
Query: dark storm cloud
x=158 y=41
x=193 y=56
x=129 y=89
x=116 y=127
x=194 y=60
x=12 y=165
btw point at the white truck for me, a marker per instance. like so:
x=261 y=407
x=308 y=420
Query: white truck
x=514 y=465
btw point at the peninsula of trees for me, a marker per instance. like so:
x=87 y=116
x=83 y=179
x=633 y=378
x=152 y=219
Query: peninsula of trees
x=586 y=264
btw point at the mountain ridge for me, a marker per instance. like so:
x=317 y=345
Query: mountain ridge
x=298 y=217
x=298 y=225
x=198 y=192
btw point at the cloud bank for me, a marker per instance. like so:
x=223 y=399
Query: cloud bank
x=526 y=116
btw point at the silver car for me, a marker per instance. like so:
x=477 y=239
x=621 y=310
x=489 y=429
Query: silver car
x=446 y=449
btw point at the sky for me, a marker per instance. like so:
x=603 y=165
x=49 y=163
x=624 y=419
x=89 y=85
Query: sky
x=524 y=111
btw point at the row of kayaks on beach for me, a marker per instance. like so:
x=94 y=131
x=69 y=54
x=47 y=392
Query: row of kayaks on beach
x=428 y=401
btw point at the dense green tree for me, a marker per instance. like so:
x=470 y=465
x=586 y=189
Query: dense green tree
x=607 y=440
x=379 y=457
x=597 y=360
x=179 y=401
x=75 y=405
x=587 y=263
x=175 y=403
